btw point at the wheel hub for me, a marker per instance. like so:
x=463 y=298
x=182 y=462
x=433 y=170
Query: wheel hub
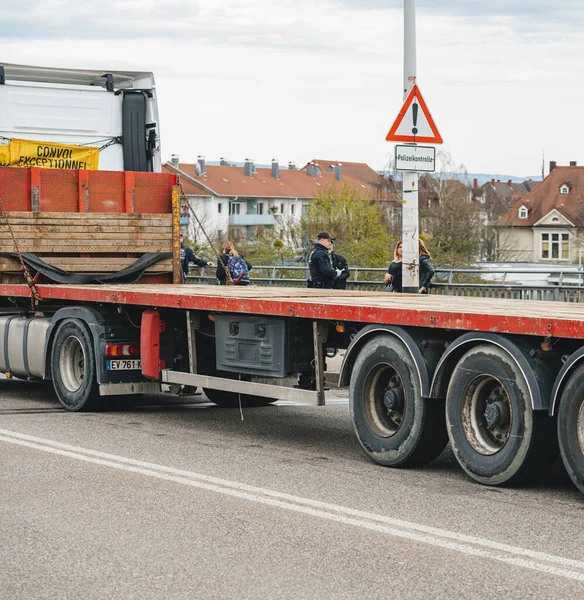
x=487 y=415
x=391 y=399
x=495 y=415
x=385 y=402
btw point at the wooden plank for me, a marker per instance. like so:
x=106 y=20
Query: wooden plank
x=137 y=240
x=84 y=265
x=59 y=249
x=64 y=228
x=80 y=260
x=85 y=216
x=104 y=269
x=98 y=222
x=130 y=234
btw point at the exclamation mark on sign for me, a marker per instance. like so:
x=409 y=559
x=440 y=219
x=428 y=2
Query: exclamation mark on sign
x=415 y=115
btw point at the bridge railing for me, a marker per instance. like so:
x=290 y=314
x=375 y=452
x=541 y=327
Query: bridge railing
x=567 y=286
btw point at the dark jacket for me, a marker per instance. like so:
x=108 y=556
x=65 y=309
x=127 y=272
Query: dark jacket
x=222 y=263
x=340 y=262
x=426 y=271
x=187 y=256
x=425 y=274
x=395 y=270
x=322 y=274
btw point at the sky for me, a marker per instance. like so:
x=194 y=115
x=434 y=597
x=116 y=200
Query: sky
x=302 y=79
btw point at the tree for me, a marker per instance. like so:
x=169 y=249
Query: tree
x=356 y=220
x=452 y=224
x=267 y=249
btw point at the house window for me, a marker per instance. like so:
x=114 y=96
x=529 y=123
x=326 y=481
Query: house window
x=219 y=208
x=292 y=209
x=235 y=208
x=522 y=212
x=555 y=246
x=260 y=208
x=304 y=209
x=564 y=190
x=281 y=209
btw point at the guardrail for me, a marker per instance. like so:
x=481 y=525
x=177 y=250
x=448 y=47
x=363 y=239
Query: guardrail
x=447 y=281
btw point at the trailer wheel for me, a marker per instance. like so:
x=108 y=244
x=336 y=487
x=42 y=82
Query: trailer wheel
x=496 y=436
x=394 y=424
x=73 y=368
x=571 y=427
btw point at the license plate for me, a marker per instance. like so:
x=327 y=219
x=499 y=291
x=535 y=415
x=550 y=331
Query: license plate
x=124 y=365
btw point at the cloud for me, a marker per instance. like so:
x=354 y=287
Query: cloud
x=299 y=79
x=522 y=15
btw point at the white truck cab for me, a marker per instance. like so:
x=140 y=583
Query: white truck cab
x=115 y=111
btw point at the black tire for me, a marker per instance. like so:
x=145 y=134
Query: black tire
x=496 y=436
x=571 y=427
x=73 y=368
x=394 y=424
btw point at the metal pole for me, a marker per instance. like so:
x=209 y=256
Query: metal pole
x=410 y=217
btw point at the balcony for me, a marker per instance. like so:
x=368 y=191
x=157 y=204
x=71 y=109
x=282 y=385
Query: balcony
x=252 y=220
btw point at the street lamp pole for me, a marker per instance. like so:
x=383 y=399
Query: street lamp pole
x=410 y=216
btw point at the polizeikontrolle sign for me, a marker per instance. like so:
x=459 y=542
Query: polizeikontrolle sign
x=415 y=158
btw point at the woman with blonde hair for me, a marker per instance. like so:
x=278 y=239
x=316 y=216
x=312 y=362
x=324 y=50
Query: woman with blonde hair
x=426 y=268
x=393 y=277
x=233 y=263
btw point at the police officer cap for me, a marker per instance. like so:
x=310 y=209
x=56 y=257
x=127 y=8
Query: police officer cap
x=325 y=235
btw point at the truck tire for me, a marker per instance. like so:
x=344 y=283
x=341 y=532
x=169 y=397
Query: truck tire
x=394 y=424
x=571 y=427
x=73 y=368
x=495 y=435
x=231 y=399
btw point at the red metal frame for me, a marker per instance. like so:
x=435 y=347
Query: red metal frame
x=500 y=316
x=68 y=190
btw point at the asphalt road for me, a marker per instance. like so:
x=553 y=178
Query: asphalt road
x=185 y=500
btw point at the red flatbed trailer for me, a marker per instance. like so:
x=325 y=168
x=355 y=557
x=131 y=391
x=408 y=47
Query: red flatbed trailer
x=545 y=319
x=502 y=380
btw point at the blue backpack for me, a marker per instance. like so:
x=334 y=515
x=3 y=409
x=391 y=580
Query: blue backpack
x=238 y=269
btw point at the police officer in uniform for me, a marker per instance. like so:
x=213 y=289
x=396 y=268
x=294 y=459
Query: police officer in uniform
x=322 y=273
x=187 y=255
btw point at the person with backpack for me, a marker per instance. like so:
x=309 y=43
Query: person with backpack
x=234 y=263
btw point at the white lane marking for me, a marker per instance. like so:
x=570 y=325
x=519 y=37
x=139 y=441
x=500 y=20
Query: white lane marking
x=432 y=536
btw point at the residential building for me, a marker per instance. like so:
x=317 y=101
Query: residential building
x=238 y=202
x=547 y=224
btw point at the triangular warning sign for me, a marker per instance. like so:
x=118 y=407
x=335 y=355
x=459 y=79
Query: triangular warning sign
x=414 y=122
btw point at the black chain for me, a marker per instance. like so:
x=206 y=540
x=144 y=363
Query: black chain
x=183 y=196
x=31 y=281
